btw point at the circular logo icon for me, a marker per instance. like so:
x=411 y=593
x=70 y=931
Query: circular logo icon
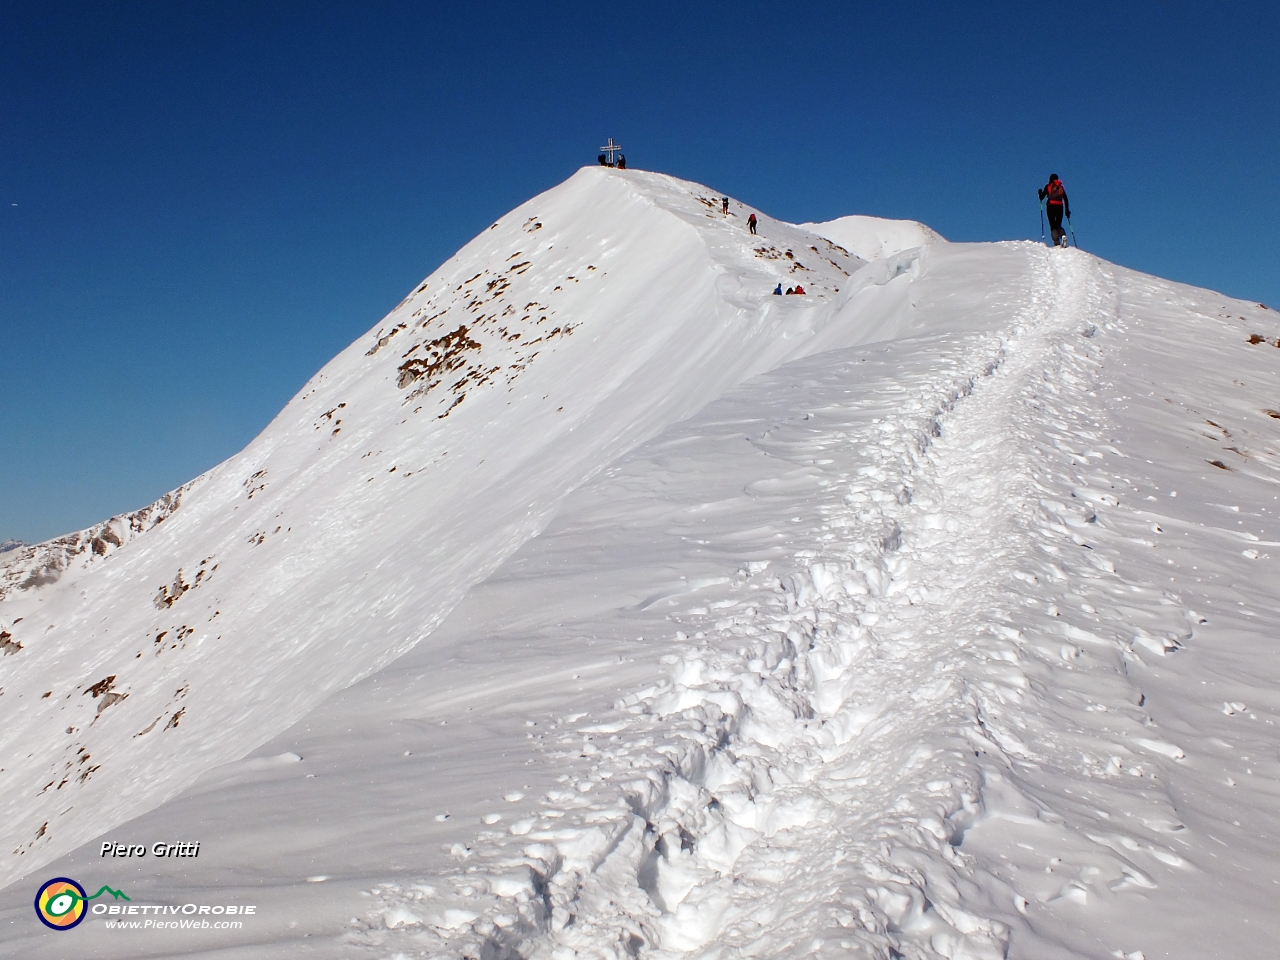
x=60 y=904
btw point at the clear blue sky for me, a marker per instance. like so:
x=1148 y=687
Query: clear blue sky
x=201 y=203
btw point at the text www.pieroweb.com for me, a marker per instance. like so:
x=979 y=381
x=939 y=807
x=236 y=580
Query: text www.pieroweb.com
x=121 y=917
x=186 y=923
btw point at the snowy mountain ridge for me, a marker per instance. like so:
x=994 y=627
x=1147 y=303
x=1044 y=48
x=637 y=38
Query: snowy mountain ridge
x=42 y=564
x=930 y=614
x=326 y=547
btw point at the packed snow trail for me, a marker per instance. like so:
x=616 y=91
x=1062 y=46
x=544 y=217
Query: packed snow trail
x=804 y=784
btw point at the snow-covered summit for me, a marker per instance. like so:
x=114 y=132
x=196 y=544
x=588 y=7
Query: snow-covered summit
x=949 y=633
x=155 y=645
x=874 y=238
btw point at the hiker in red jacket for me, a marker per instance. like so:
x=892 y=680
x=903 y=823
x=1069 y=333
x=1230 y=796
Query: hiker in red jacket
x=751 y=223
x=1056 y=204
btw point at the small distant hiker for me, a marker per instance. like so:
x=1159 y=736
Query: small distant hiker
x=724 y=205
x=622 y=161
x=751 y=223
x=602 y=161
x=799 y=290
x=777 y=291
x=789 y=291
x=1054 y=195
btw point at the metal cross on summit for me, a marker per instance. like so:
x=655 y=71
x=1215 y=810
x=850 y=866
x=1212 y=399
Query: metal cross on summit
x=610 y=148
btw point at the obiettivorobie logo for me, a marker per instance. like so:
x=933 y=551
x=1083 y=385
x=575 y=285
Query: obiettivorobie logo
x=61 y=903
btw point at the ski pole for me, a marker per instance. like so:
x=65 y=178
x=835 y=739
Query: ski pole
x=1042 y=220
x=1073 y=233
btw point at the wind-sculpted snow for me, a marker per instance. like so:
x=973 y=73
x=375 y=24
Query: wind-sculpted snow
x=140 y=653
x=873 y=238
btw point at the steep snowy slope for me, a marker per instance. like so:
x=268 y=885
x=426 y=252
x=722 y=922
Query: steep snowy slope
x=874 y=238
x=958 y=643
x=148 y=649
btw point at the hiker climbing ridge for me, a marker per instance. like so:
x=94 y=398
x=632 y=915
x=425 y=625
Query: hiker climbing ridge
x=1053 y=197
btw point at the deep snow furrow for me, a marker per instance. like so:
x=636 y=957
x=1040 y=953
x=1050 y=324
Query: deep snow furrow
x=897 y=679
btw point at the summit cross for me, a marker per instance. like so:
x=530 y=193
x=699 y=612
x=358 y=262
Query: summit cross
x=610 y=148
